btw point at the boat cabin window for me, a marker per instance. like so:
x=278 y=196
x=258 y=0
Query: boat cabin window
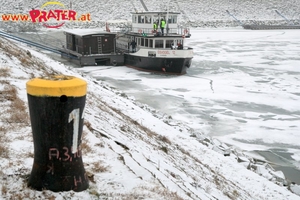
x=134 y=19
x=138 y=41
x=169 y=43
x=155 y=19
x=152 y=53
x=159 y=43
x=141 y=19
x=172 y=19
x=142 y=42
x=178 y=44
x=148 y=19
x=150 y=43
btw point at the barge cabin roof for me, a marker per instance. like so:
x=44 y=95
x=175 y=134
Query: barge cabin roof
x=88 y=32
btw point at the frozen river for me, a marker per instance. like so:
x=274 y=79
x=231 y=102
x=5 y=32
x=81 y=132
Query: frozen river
x=243 y=88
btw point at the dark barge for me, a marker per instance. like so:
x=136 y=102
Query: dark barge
x=88 y=47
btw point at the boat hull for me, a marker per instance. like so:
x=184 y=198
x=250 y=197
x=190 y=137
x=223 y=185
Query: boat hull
x=157 y=64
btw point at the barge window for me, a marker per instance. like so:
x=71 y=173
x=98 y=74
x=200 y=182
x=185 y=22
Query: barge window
x=146 y=42
x=159 y=43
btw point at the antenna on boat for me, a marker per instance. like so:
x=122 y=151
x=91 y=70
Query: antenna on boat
x=144 y=5
x=167 y=18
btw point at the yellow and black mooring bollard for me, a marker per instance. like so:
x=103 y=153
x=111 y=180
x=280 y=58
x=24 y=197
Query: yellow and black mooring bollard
x=56 y=106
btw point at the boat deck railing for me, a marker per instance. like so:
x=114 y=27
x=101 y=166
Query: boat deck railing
x=167 y=32
x=150 y=30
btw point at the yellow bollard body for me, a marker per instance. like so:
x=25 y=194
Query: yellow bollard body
x=56 y=107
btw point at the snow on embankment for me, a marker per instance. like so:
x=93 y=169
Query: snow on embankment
x=129 y=150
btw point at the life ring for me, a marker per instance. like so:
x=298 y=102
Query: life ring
x=140 y=30
x=185 y=31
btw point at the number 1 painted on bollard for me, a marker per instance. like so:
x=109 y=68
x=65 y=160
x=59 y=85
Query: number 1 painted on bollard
x=74 y=116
